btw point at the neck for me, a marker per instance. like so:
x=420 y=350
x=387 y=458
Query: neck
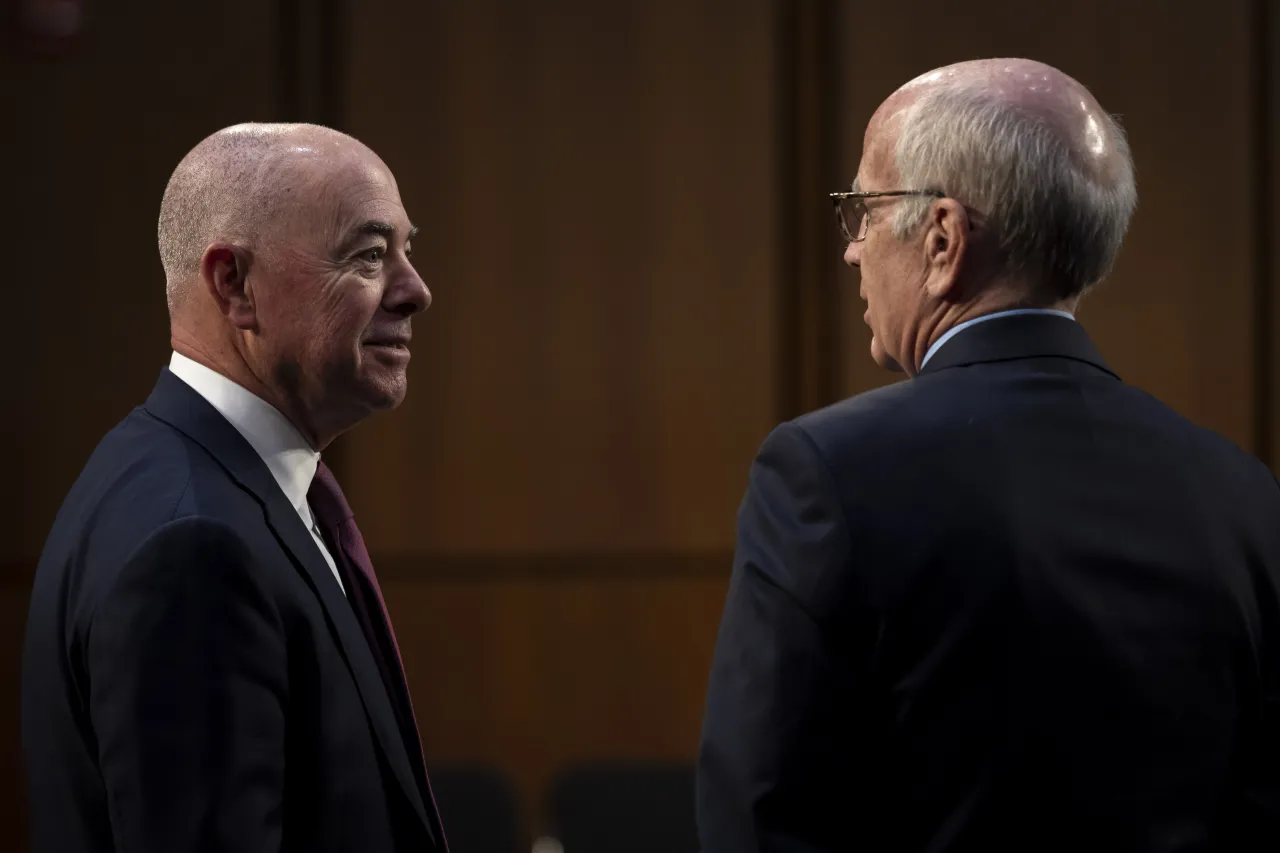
x=947 y=316
x=231 y=363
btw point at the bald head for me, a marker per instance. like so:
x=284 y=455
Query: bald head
x=1026 y=146
x=1040 y=92
x=235 y=185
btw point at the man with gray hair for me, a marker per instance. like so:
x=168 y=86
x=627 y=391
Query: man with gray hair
x=209 y=664
x=1011 y=603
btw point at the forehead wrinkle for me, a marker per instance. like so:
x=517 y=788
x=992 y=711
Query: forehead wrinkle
x=368 y=194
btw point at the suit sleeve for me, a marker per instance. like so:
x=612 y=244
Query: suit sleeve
x=780 y=693
x=187 y=678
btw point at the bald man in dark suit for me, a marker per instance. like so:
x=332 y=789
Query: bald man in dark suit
x=1011 y=603
x=209 y=664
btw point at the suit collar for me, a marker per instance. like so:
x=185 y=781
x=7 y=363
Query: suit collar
x=289 y=458
x=180 y=406
x=1016 y=337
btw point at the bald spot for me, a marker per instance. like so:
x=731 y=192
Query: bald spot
x=238 y=184
x=1037 y=89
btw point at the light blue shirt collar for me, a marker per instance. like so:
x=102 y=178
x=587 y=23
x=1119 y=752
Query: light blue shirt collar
x=954 y=330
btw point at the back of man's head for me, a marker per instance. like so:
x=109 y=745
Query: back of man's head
x=1030 y=149
x=230 y=187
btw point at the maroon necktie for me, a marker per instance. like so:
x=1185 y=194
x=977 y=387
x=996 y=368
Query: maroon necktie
x=338 y=523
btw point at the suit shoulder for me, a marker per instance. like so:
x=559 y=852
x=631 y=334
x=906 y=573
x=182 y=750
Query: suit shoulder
x=1224 y=457
x=143 y=466
x=143 y=475
x=860 y=418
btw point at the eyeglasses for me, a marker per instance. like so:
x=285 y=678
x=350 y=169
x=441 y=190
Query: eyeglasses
x=851 y=209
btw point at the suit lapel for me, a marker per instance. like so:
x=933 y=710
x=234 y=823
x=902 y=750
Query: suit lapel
x=297 y=540
x=176 y=403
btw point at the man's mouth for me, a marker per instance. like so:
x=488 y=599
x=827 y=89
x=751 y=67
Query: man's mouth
x=391 y=342
x=396 y=349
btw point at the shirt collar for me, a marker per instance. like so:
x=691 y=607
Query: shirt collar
x=960 y=327
x=288 y=456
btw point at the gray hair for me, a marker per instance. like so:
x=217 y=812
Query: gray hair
x=1059 y=223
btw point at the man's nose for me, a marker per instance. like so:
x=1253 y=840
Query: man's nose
x=408 y=295
x=853 y=254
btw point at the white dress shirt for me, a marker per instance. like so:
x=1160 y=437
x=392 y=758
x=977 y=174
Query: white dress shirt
x=289 y=457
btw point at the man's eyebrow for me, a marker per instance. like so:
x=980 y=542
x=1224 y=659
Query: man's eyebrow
x=373 y=227
x=377 y=228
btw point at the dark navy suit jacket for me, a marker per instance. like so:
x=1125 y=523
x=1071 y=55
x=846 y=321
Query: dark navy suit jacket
x=1011 y=604
x=193 y=678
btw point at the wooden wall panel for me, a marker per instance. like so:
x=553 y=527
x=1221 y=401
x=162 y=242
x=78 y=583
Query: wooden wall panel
x=530 y=674
x=98 y=125
x=595 y=186
x=810 y=123
x=1175 y=316
x=13 y=798
x=1269 y=255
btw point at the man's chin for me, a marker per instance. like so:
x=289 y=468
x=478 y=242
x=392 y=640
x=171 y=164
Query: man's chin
x=882 y=358
x=385 y=392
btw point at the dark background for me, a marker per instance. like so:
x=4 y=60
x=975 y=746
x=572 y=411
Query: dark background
x=636 y=275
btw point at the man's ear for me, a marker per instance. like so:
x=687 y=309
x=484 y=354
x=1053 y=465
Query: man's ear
x=946 y=246
x=224 y=268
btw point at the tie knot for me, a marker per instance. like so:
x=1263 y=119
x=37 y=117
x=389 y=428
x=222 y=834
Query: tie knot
x=327 y=500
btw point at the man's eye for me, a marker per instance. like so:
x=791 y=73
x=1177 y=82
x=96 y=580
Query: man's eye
x=374 y=255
